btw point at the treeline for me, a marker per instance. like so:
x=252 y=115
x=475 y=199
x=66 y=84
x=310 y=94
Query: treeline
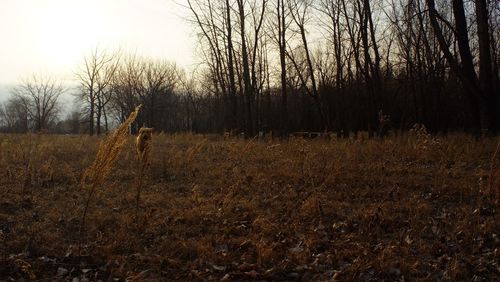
x=300 y=65
x=350 y=65
x=110 y=86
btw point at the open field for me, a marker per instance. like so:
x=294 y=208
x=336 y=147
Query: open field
x=411 y=207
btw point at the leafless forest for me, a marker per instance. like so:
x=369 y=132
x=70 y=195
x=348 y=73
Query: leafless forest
x=401 y=181
x=283 y=66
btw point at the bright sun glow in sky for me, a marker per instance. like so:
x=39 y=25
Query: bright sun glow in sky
x=52 y=36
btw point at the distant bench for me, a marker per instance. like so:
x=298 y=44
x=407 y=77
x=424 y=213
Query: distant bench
x=307 y=135
x=298 y=134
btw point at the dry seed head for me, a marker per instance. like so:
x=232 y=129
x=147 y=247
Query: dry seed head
x=143 y=143
x=109 y=149
x=26 y=268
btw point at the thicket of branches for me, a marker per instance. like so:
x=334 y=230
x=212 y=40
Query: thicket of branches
x=33 y=105
x=284 y=66
x=343 y=65
x=113 y=84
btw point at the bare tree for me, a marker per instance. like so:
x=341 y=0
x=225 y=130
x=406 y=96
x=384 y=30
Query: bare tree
x=335 y=30
x=334 y=64
x=486 y=77
x=299 y=11
x=125 y=87
x=14 y=115
x=278 y=26
x=230 y=66
x=214 y=20
x=95 y=77
x=158 y=82
x=145 y=81
x=39 y=95
x=478 y=89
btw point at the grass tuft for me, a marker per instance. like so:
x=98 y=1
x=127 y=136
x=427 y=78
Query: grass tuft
x=109 y=150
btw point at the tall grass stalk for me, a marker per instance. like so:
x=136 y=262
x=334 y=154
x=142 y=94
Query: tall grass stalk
x=105 y=160
x=140 y=183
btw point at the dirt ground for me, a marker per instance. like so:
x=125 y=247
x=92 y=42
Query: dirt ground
x=412 y=208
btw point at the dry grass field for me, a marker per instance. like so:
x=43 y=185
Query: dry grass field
x=412 y=208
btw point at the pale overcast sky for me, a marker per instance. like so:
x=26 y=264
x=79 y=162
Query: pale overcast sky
x=52 y=36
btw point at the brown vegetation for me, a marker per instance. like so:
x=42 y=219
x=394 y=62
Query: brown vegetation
x=143 y=141
x=413 y=206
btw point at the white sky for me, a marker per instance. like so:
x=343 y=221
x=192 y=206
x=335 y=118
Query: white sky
x=52 y=36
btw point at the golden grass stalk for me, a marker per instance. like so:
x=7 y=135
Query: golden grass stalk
x=26 y=268
x=109 y=150
x=144 y=158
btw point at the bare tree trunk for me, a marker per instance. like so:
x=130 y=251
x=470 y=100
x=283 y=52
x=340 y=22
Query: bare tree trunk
x=368 y=69
x=98 y=116
x=352 y=38
x=257 y=88
x=465 y=71
x=105 y=119
x=246 y=70
x=313 y=78
x=466 y=57
x=282 y=50
x=299 y=19
x=91 y=114
x=486 y=81
x=376 y=64
x=232 y=83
